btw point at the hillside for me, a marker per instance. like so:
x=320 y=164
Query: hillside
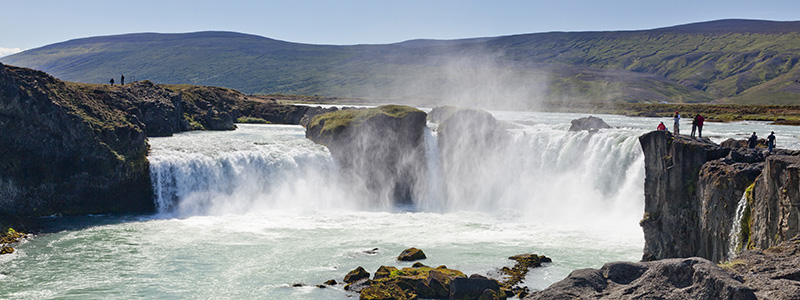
x=726 y=61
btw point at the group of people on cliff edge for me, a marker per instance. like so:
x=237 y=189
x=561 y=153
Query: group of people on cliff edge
x=753 y=141
x=121 y=80
x=697 y=125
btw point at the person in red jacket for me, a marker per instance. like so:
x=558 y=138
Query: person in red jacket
x=700 y=121
x=661 y=126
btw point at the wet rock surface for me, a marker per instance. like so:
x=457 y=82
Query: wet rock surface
x=411 y=254
x=380 y=151
x=590 y=123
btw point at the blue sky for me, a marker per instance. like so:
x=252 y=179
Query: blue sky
x=30 y=24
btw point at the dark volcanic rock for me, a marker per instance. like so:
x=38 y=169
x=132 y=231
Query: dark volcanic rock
x=673 y=205
x=776 y=198
x=692 y=190
x=66 y=151
x=355 y=275
x=687 y=278
x=216 y=120
x=411 y=254
x=472 y=287
x=380 y=151
x=720 y=186
x=588 y=123
x=773 y=273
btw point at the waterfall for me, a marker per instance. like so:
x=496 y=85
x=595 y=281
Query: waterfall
x=549 y=173
x=736 y=227
x=238 y=172
x=543 y=172
x=433 y=199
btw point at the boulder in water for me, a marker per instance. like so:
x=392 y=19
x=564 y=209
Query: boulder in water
x=590 y=123
x=355 y=275
x=411 y=254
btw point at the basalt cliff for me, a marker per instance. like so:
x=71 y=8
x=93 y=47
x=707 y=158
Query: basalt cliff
x=693 y=189
x=72 y=148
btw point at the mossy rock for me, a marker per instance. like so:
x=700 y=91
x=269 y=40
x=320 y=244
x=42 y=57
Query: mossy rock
x=324 y=128
x=375 y=293
x=411 y=254
x=384 y=272
x=355 y=275
x=419 y=265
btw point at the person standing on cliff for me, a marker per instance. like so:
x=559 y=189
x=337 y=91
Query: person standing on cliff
x=700 y=121
x=771 y=141
x=752 y=141
x=677 y=119
x=122 y=79
x=111 y=81
x=694 y=125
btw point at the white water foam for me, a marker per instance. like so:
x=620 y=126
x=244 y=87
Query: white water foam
x=573 y=178
x=736 y=228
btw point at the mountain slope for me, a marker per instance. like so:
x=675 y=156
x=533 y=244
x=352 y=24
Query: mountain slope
x=732 y=61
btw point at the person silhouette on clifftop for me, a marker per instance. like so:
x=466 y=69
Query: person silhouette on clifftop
x=752 y=141
x=677 y=119
x=700 y=121
x=771 y=141
x=111 y=81
x=122 y=79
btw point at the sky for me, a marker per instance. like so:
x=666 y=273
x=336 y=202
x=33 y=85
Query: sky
x=28 y=24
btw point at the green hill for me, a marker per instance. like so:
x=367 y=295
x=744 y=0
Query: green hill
x=726 y=61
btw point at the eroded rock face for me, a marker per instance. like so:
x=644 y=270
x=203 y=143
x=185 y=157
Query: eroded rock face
x=380 y=150
x=776 y=198
x=720 y=186
x=678 y=278
x=692 y=189
x=65 y=151
x=158 y=109
x=673 y=205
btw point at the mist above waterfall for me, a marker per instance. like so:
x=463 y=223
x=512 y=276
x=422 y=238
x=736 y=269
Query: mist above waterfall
x=475 y=76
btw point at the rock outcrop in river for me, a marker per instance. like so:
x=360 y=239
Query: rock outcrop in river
x=380 y=150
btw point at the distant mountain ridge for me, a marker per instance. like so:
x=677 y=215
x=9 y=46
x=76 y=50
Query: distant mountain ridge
x=732 y=61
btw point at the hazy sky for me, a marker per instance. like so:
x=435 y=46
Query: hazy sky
x=29 y=24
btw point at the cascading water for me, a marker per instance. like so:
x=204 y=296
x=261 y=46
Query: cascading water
x=251 y=169
x=735 y=236
x=544 y=172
